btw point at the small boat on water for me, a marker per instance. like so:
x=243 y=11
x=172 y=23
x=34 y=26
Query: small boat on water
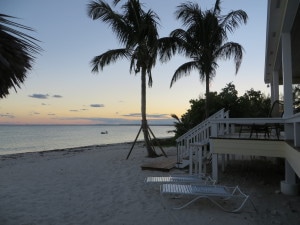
x=104 y=132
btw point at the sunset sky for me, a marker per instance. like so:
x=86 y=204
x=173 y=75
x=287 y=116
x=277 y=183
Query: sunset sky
x=61 y=89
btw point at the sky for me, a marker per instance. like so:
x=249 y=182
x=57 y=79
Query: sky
x=61 y=89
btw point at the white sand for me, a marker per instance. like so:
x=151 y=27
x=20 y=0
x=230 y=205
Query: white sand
x=97 y=185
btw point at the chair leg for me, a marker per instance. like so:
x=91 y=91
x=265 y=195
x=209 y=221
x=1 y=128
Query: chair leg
x=190 y=202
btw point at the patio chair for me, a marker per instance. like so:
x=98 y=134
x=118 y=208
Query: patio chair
x=215 y=193
x=200 y=179
x=275 y=112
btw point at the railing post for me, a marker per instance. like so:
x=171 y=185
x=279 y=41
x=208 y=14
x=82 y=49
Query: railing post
x=296 y=137
x=214 y=130
x=214 y=133
x=201 y=133
x=190 y=157
x=215 y=167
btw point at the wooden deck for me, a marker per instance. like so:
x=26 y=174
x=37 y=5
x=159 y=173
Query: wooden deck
x=164 y=164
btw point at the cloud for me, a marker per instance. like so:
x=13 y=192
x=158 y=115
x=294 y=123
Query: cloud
x=117 y=121
x=77 y=110
x=57 y=96
x=97 y=105
x=39 y=96
x=7 y=115
x=153 y=116
x=132 y=115
x=158 y=116
x=51 y=114
x=33 y=113
x=44 y=96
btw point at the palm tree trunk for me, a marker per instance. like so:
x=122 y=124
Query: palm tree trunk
x=207 y=96
x=150 y=150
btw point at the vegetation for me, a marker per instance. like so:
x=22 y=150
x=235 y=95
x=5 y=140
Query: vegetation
x=205 y=42
x=17 y=51
x=251 y=104
x=136 y=29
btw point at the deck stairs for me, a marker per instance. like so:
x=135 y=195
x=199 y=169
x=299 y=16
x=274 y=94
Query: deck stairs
x=193 y=146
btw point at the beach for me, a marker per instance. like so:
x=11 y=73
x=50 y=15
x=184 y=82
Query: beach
x=97 y=185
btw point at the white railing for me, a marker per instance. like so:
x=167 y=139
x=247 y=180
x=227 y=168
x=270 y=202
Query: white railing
x=199 y=135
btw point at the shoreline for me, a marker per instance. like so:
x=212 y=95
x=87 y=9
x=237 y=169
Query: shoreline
x=162 y=139
x=97 y=185
x=72 y=149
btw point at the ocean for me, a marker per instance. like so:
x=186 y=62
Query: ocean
x=35 y=138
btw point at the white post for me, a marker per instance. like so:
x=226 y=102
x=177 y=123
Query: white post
x=190 y=157
x=288 y=186
x=223 y=162
x=214 y=133
x=297 y=137
x=275 y=86
x=215 y=174
x=287 y=74
x=205 y=154
x=200 y=158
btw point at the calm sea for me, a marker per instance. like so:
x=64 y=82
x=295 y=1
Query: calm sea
x=33 y=138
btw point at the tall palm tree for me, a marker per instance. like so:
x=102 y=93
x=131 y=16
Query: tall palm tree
x=205 y=41
x=17 y=51
x=136 y=29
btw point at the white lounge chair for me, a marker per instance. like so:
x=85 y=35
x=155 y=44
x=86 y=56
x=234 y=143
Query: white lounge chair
x=188 y=179
x=214 y=193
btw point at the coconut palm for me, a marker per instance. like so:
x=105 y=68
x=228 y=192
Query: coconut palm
x=205 y=41
x=136 y=29
x=17 y=51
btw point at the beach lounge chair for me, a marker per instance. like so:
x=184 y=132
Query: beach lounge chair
x=215 y=193
x=188 y=179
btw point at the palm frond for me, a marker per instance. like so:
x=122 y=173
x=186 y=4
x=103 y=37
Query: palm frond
x=233 y=20
x=17 y=51
x=229 y=50
x=111 y=56
x=189 y=13
x=167 y=47
x=174 y=116
x=102 y=11
x=217 y=8
x=183 y=70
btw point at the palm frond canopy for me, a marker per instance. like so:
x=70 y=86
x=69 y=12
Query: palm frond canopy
x=204 y=39
x=17 y=51
x=135 y=29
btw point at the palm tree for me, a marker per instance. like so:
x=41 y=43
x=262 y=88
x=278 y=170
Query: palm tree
x=136 y=29
x=17 y=51
x=205 y=41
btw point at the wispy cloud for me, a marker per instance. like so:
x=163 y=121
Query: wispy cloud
x=33 y=113
x=153 y=116
x=39 y=96
x=97 y=105
x=158 y=116
x=57 y=96
x=7 y=115
x=133 y=115
x=44 y=96
x=116 y=121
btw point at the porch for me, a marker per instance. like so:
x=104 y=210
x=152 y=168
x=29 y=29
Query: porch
x=219 y=138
